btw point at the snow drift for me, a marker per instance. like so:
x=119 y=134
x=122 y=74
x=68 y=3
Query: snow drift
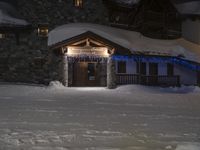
x=128 y=2
x=6 y=15
x=188 y=7
x=189 y=146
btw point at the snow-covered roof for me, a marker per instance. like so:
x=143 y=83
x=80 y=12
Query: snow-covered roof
x=188 y=7
x=127 y=2
x=131 y=40
x=7 y=17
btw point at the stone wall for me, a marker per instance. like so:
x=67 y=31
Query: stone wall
x=26 y=62
x=31 y=61
x=111 y=74
x=59 y=12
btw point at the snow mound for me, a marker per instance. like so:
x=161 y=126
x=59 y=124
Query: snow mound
x=188 y=7
x=150 y=89
x=6 y=12
x=128 y=2
x=183 y=89
x=89 y=89
x=131 y=40
x=188 y=147
x=56 y=85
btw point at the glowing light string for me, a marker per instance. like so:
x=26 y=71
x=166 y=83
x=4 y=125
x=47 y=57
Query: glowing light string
x=138 y=58
x=159 y=59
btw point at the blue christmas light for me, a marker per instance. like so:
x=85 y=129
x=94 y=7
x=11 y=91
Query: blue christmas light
x=159 y=59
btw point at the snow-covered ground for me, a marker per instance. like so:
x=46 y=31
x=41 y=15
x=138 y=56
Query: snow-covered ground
x=130 y=117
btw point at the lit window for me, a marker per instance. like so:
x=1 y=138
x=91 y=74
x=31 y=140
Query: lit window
x=121 y=66
x=2 y=36
x=43 y=30
x=78 y=3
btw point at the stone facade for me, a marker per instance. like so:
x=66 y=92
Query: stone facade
x=111 y=74
x=26 y=62
x=31 y=60
x=59 y=12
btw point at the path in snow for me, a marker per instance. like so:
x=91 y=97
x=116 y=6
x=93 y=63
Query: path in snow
x=128 y=118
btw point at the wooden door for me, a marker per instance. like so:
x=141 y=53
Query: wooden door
x=85 y=74
x=80 y=73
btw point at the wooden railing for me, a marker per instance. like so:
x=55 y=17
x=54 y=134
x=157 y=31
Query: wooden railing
x=148 y=80
x=127 y=79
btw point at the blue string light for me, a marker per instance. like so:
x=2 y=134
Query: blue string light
x=159 y=59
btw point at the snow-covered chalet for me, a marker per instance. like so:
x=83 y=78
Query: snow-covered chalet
x=100 y=42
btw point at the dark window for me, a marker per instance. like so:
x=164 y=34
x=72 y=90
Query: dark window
x=121 y=67
x=198 y=78
x=137 y=67
x=78 y=3
x=141 y=68
x=153 y=69
x=170 y=69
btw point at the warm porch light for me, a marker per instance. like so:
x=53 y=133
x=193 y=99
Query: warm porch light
x=78 y=3
x=43 y=30
x=100 y=51
x=2 y=36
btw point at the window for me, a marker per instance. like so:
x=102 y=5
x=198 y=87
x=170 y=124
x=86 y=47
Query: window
x=91 y=71
x=198 y=78
x=141 y=68
x=153 y=69
x=121 y=67
x=78 y=3
x=43 y=30
x=2 y=36
x=170 y=69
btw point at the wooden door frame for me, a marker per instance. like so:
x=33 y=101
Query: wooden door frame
x=74 y=81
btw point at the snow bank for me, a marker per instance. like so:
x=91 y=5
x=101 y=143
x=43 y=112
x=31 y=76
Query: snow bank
x=128 y=39
x=53 y=85
x=150 y=89
x=189 y=7
x=183 y=89
x=128 y=89
x=188 y=147
x=128 y=2
x=6 y=18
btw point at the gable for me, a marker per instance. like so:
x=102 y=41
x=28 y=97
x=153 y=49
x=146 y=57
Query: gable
x=96 y=41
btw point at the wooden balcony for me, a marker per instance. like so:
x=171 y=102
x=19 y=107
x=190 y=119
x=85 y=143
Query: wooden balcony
x=148 y=80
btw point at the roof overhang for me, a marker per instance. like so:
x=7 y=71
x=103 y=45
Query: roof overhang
x=7 y=28
x=118 y=49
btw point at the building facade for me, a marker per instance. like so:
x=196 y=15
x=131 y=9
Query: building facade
x=79 y=54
